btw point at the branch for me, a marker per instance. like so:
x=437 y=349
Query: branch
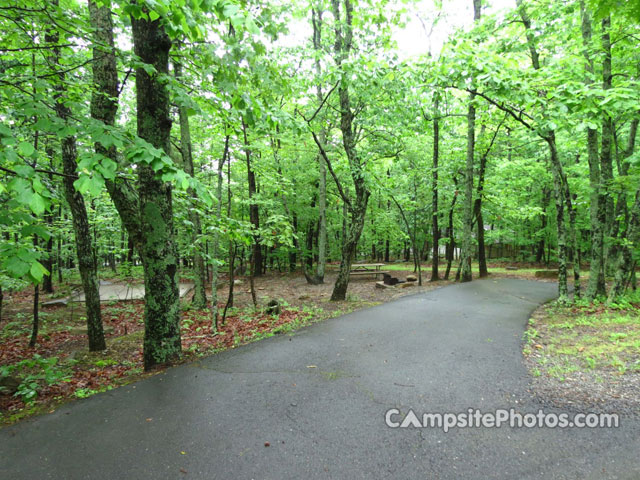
x=508 y=110
x=124 y=82
x=324 y=100
x=40 y=170
x=38 y=47
x=333 y=174
x=493 y=139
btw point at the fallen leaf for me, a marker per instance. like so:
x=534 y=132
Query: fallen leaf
x=183 y=453
x=267 y=444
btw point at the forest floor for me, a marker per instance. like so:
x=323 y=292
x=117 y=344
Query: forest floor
x=586 y=356
x=60 y=367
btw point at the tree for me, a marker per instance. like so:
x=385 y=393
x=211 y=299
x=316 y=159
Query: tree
x=157 y=243
x=467 y=222
x=199 y=300
x=84 y=245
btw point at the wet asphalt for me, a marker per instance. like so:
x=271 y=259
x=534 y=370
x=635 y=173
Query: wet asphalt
x=312 y=405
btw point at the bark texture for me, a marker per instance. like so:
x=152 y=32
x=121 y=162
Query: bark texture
x=357 y=207
x=81 y=228
x=162 y=343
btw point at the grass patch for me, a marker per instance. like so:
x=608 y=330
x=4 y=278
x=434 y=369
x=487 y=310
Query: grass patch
x=585 y=337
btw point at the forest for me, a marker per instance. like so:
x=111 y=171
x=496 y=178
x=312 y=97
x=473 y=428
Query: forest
x=215 y=139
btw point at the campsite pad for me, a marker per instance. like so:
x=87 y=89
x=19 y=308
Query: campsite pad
x=117 y=292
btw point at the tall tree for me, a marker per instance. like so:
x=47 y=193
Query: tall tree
x=467 y=207
x=199 y=300
x=560 y=182
x=596 y=285
x=322 y=137
x=84 y=244
x=216 y=236
x=343 y=29
x=162 y=343
x=435 y=230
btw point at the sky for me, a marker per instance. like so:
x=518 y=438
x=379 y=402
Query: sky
x=415 y=40
x=419 y=36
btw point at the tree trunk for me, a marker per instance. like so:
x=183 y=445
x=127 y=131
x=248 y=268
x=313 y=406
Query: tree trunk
x=451 y=243
x=435 y=231
x=254 y=212
x=293 y=253
x=84 y=246
x=563 y=291
x=625 y=265
x=349 y=250
x=199 y=300
x=477 y=212
x=596 y=285
x=543 y=224
x=216 y=238
x=162 y=343
x=605 y=201
x=358 y=207
x=47 y=283
x=560 y=184
x=233 y=249
x=35 y=320
x=322 y=179
x=467 y=208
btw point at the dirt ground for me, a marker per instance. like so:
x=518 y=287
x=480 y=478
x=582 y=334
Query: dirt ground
x=293 y=289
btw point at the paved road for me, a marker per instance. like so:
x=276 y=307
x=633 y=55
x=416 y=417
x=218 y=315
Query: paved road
x=443 y=351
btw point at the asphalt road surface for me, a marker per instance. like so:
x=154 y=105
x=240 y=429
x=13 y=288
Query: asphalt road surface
x=313 y=405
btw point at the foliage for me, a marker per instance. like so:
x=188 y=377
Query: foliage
x=36 y=371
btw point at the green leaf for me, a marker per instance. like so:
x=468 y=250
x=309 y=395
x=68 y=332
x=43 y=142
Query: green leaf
x=37 y=204
x=37 y=271
x=26 y=149
x=16 y=267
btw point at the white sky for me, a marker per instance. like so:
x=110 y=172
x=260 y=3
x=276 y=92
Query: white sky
x=414 y=40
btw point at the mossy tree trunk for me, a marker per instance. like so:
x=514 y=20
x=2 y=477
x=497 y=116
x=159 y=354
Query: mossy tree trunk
x=157 y=249
x=81 y=228
x=596 y=285
x=558 y=178
x=624 y=264
x=358 y=207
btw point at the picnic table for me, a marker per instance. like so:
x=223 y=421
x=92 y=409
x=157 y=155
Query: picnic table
x=367 y=269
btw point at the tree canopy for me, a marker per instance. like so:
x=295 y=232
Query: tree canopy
x=205 y=137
